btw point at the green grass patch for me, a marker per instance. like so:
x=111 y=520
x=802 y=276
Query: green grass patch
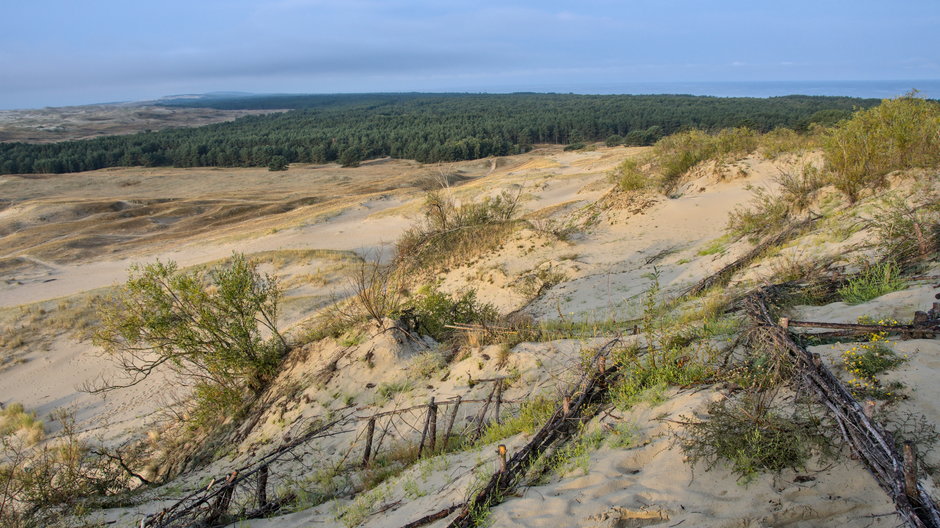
x=872 y=283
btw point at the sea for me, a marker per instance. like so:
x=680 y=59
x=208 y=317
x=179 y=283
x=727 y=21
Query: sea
x=865 y=89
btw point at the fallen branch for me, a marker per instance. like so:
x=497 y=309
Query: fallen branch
x=724 y=274
x=875 y=447
x=561 y=425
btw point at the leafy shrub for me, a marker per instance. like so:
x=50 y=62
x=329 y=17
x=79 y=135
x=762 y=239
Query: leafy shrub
x=898 y=134
x=203 y=324
x=873 y=282
x=751 y=437
x=614 y=140
x=432 y=310
x=41 y=484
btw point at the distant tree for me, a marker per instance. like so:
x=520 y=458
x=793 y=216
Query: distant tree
x=278 y=163
x=351 y=156
x=614 y=140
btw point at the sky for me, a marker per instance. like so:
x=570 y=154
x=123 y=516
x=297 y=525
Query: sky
x=67 y=52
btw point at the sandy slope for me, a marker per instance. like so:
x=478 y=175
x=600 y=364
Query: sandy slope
x=603 y=264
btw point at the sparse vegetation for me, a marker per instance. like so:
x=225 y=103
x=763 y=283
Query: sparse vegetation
x=874 y=281
x=453 y=233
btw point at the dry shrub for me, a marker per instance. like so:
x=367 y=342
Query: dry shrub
x=908 y=229
x=452 y=234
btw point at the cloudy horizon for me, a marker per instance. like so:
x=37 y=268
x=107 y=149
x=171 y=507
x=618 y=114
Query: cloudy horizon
x=55 y=52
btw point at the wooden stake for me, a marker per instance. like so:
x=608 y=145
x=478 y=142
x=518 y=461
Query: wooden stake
x=784 y=322
x=910 y=473
x=501 y=450
x=370 y=431
x=450 y=422
x=499 y=399
x=432 y=429
x=602 y=364
x=566 y=405
x=482 y=415
x=424 y=433
x=262 y=491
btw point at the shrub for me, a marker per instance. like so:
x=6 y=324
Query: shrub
x=629 y=176
x=865 y=361
x=769 y=210
x=909 y=229
x=614 y=140
x=41 y=484
x=898 y=134
x=432 y=310
x=577 y=145
x=454 y=233
x=678 y=153
x=751 y=437
x=278 y=163
x=873 y=282
x=203 y=324
x=781 y=141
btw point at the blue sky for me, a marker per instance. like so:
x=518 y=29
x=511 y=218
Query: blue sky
x=59 y=52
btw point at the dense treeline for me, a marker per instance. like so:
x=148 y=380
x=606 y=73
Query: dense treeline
x=423 y=127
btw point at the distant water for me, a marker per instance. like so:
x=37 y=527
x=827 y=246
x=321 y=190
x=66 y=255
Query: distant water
x=874 y=89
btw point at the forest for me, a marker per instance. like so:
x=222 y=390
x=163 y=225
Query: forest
x=349 y=128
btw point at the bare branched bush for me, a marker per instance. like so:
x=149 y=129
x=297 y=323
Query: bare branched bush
x=452 y=233
x=908 y=228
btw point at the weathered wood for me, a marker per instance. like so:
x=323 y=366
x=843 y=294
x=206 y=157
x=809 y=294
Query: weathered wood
x=725 y=273
x=910 y=472
x=450 y=422
x=868 y=439
x=370 y=432
x=499 y=400
x=436 y=516
x=432 y=426
x=427 y=425
x=899 y=329
x=222 y=501
x=261 y=492
x=481 y=416
x=590 y=389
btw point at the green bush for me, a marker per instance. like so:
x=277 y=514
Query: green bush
x=898 y=134
x=873 y=282
x=908 y=228
x=751 y=437
x=614 y=140
x=203 y=324
x=432 y=310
